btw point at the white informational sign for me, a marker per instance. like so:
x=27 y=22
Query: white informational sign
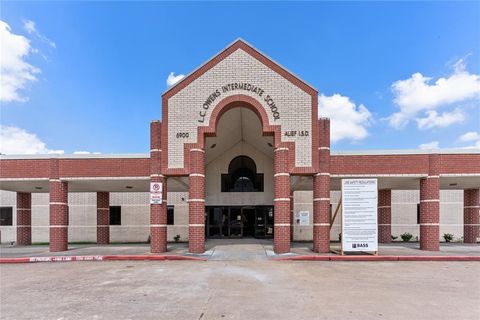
x=156 y=194
x=303 y=218
x=359 y=215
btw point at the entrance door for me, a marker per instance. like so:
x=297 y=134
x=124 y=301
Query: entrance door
x=238 y=222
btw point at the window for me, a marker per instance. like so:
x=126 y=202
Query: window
x=115 y=215
x=418 y=213
x=242 y=176
x=6 y=214
x=170 y=210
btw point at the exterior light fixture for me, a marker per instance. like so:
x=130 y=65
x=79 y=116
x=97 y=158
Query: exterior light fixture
x=38 y=188
x=213 y=146
x=129 y=187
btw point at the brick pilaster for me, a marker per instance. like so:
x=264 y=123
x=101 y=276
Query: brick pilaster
x=321 y=191
x=281 y=181
x=196 y=201
x=385 y=216
x=158 y=212
x=24 y=219
x=471 y=207
x=103 y=218
x=430 y=207
x=58 y=209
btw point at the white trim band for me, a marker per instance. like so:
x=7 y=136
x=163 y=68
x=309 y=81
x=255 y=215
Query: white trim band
x=24 y=209
x=321 y=199
x=282 y=199
x=433 y=177
x=155 y=150
x=58 y=226
x=384 y=224
x=281 y=149
x=321 y=224
x=158 y=225
x=54 y=180
x=281 y=174
x=157 y=175
x=196 y=200
x=103 y=225
x=196 y=225
x=59 y=203
x=323 y=148
x=282 y=225
x=430 y=224
x=322 y=174
x=196 y=175
x=103 y=209
x=471 y=207
x=197 y=150
x=430 y=200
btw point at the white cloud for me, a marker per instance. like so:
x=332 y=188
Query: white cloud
x=469 y=136
x=15 y=72
x=15 y=140
x=416 y=95
x=85 y=152
x=347 y=120
x=30 y=28
x=433 y=119
x=430 y=145
x=172 y=78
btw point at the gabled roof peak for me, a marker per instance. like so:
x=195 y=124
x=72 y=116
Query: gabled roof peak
x=240 y=43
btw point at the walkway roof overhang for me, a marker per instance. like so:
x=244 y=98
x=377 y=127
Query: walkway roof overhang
x=401 y=170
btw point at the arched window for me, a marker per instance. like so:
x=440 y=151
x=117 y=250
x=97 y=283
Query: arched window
x=242 y=176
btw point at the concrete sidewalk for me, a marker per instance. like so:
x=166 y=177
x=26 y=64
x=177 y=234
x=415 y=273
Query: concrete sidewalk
x=235 y=250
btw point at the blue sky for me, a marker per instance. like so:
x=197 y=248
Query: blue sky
x=101 y=67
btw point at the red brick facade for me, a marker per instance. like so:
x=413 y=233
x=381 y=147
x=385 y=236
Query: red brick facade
x=24 y=219
x=471 y=200
x=103 y=218
x=196 y=201
x=321 y=191
x=281 y=186
x=58 y=209
x=158 y=212
x=384 y=216
x=430 y=207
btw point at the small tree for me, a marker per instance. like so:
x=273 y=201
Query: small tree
x=448 y=237
x=406 y=236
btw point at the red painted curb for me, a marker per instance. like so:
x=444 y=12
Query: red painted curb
x=99 y=258
x=378 y=258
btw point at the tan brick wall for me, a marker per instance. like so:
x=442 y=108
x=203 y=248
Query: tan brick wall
x=294 y=105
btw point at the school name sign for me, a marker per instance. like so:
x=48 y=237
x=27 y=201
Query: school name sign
x=238 y=86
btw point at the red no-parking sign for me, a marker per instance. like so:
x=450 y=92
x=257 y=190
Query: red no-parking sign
x=156 y=194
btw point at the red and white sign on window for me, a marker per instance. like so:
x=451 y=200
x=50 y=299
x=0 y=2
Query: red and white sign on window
x=156 y=189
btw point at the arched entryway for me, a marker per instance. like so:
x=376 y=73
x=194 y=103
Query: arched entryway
x=239 y=171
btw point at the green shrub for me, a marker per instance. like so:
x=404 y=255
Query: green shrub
x=177 y=238
x=448 y=237
x=406 y=236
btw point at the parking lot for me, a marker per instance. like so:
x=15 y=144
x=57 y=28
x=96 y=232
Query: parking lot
x=252 y=289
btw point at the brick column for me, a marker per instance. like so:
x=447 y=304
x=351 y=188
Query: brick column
x=281 y=185
x=58 y=209
x=471 y=207
x=103 y=218
x=430 y=207
x=196 y=201
x=24 y=219
x=158 y=212
x=292 y=203
x=321 y=191
x=385 y=216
